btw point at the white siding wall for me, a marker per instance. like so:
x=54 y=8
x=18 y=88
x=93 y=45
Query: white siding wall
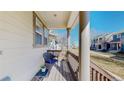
x=19 y=60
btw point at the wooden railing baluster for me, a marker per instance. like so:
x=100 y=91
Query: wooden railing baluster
x=98 y=76
x=97 y=73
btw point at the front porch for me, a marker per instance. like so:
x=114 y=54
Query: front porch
x=67 y=69
x=115 y=47
x=73 y=65
x=24 y=40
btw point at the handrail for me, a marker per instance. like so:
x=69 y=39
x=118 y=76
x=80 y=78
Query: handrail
x=98 y=73
x=74 y=71
x=73 y=55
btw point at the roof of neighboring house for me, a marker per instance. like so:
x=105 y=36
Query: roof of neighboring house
x=108 y=36
x=120 y=32
x=116 y=40
x=102 y=35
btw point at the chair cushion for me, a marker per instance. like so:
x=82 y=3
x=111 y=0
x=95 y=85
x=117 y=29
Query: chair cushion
x=49 y=58
x=51 y=61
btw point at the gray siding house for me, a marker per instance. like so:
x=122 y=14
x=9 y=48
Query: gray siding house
x=117 y=43
x=101 y=42
x=113 y=42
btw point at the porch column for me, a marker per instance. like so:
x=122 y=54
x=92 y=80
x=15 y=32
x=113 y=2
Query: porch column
x=68 y=38
x=117 y=46
x=84 y=47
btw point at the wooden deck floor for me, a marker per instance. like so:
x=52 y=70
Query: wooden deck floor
x=59 y=72
x=56 y=72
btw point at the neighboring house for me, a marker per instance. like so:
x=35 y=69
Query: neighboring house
x=52 y=39
x=117 y=43
x=53 y=42
x=92 y=44
x=113 y=42
x=101 y=42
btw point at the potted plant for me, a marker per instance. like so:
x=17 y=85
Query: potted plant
x=43 y=68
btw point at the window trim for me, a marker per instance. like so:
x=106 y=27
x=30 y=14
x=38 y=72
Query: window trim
x=46 y=37
x=34 y=31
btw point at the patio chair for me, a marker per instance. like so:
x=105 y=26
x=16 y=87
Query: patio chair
x=49 y=58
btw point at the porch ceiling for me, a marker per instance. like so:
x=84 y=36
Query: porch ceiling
x=58 y=19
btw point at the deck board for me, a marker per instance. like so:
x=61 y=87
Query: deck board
x=59 y=72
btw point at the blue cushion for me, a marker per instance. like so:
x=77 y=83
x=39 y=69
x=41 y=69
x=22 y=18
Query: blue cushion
x=53 y=56
x=49 y=58
x=51 y=61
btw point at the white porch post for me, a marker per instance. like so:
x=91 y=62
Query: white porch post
x=84 y=47
x=68 y=38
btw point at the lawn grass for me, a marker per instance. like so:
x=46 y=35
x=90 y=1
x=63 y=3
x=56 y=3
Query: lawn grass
x=115 y=67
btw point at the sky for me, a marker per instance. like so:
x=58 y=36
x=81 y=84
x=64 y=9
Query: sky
x=73 y=34
x=106 y=22
x=100 y=22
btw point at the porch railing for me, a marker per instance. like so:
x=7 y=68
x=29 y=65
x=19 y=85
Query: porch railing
x=73 y=63
x=96 y=72
x=99 y=74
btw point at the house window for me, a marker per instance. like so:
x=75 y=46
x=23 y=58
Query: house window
x=119 y=36
x=100 y=38
x=122 y=38
x=38 y=36
x=38 y=31
x=46 y=33
x=96 y=40
x=114 y=37
x=99 y=47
